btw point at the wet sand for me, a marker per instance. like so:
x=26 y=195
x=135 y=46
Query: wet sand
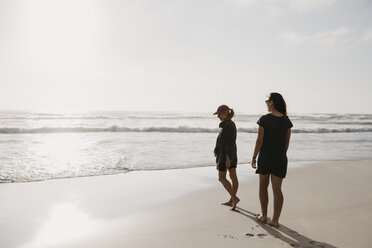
x=327 y=204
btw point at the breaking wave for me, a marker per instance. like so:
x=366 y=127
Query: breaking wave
x=180 y=129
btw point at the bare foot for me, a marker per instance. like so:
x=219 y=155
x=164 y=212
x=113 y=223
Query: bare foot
x=261 y=218
x=235 y=202
x=274 y=224
x=228 y=203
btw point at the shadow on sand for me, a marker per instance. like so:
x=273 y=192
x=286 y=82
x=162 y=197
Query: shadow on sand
x=284 y=233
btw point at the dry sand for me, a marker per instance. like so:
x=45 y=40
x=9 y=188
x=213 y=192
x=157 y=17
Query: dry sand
x=327 y=204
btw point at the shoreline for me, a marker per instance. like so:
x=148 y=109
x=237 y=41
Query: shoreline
x=290 y=163
x=326 y=203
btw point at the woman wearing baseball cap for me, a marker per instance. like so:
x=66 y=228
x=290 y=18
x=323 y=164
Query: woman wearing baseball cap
x=226 y=154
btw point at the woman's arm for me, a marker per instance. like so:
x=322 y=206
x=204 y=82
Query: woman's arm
x=287 y=139
x=258 y=146
x=225 y=145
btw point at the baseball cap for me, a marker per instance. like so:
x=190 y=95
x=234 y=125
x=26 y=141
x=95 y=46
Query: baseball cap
x=221 y=108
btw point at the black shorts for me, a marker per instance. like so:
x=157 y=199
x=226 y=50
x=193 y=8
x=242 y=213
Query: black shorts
x=277 y=166
x=222 y=167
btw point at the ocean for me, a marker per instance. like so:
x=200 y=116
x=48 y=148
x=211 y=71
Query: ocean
x=38 y=146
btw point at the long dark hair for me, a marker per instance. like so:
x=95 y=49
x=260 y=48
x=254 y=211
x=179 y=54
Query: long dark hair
x=279 y=102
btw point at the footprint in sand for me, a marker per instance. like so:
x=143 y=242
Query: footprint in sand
x=261 y=235
x=227 y=236
x=295 y=245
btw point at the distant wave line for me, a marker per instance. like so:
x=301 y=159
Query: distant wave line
x=102 y=117
x=345 y=119
x=180 y=129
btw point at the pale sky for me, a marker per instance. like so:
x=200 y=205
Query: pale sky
x=191 y=55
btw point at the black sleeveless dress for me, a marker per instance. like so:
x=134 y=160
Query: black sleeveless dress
x=272 y=158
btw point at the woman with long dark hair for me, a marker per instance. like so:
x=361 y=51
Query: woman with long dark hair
x=226 y=154
x=272 y=143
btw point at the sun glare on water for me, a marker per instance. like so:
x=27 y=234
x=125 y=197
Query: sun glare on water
x=61 y=154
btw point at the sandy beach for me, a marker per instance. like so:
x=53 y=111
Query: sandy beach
x=327 y=204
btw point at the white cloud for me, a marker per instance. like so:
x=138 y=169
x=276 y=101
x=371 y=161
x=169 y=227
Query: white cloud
x=273 y=11
x=336 y=37
x=243 y=2
x=367 y=35
x=136 y=5
x=304 y=5
x=301 y=5
x=275 y=8
x=291 y=37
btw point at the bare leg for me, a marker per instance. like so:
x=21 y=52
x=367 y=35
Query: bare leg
x=234 y=180
x=235 y=186
x=264 y=197
x=229 y=202
x=276 y=183
x=226 y=184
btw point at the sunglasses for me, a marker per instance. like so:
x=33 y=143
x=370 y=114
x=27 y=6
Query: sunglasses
x=267 y=101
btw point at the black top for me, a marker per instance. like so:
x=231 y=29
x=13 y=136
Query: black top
x=275 y=133
x=226 y=144
x=272 y=158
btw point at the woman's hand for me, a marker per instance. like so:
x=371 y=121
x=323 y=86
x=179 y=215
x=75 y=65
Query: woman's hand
x=258 y=146
x=253 y=163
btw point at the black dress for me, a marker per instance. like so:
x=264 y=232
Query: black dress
x=226 y=145
x=272 y=158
